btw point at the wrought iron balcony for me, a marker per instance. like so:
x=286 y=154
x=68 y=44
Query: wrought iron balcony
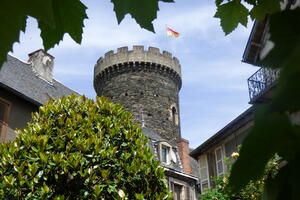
x=6 y=133
x=261 y=81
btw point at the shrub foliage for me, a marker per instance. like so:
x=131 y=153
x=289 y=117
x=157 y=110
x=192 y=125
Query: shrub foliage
x=78 y=148
x=254 y=190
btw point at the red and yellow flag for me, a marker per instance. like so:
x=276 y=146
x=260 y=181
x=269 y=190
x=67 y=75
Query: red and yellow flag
x=172 y=33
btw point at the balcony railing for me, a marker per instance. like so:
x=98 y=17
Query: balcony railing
x=6 y=133
x=261 y=81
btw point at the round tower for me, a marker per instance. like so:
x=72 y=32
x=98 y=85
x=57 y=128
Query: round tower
x=147 y=83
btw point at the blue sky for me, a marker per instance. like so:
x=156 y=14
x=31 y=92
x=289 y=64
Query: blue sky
x=214 y=89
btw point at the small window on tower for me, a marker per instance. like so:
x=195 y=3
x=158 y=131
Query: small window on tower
x=174 y=115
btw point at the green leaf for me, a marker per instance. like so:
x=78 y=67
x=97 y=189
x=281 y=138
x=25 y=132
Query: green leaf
x=231 y=14
x=143 y=11
x=259 y=146
x=218 y=2
x=271 y=188
x=265 y=7
x=38 y=9
x=251 y=2
x=285 y=55
x=68 y=16
x=286 y=36
x=13 y=21
x=13 y=17
x=286 y=183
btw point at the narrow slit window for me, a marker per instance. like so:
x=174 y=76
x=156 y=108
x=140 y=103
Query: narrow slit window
x=174 y=115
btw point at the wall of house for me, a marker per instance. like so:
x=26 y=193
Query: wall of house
x=229 y=145
x=20 y=109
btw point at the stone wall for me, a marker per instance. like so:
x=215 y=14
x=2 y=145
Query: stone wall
x=149 y=90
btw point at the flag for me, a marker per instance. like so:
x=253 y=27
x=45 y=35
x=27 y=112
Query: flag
x=172 y=33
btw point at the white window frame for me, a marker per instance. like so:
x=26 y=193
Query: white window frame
x=221 y=148
x=168 y=159
x=207 y=173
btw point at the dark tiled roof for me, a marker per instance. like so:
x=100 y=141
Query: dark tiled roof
x=194 y=165
x=153 y=143
x=18 y=77
x=152 y=135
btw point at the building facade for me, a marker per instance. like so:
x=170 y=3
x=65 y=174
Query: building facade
x=147 y=83
x=24 y=86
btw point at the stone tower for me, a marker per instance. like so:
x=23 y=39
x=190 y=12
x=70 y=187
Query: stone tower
x=147 y=83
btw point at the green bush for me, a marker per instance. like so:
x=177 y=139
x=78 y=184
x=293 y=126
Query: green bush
x=254 y=190
x=78 y=148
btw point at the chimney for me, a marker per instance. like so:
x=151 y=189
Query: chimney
x=42 y=63
x=183 y=149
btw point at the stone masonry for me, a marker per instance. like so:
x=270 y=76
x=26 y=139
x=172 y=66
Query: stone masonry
x=147 y=83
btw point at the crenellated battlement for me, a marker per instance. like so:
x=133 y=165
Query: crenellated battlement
x=137 y=54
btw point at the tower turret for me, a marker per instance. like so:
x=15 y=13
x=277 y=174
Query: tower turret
x=147 y=83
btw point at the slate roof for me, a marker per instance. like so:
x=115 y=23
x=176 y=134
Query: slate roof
x=18 y=77
x=152 y=135
x=154 y=141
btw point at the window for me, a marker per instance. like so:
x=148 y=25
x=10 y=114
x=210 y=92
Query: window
x=219 y=155
x=165 y=154
x=188 y=195
x=177 y=190
x=180 y=190
x=174 y=114
x=4 y=111
x=204 y=175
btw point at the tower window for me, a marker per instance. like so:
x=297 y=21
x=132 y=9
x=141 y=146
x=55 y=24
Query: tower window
x=174 y=114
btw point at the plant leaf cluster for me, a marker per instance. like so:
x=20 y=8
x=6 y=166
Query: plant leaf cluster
x=56 y=18
x=78 y=148
x=235 y=12
x=252 y=191
x=276 y=128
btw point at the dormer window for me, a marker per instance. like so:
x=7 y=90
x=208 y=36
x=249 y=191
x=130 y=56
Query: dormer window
x=167 y=155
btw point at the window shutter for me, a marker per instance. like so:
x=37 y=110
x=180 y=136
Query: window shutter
x=187 y=193
x=204 y=174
